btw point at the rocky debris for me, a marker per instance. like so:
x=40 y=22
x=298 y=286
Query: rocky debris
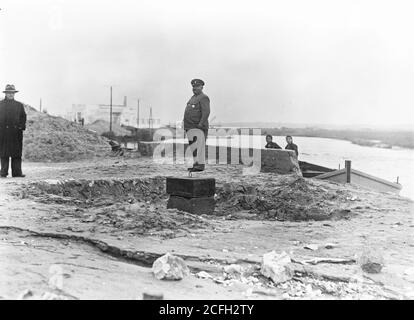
x=330 y=245
x=297 y=290
x=143 y=219
x=287 y=198
x=234 y=270
x=50 y=138
x=277 y=267
x=312 y=247
x=265 y=292
x=307 y=285
x=409 y=271
x=324 y=260
x=47 y=295
x=26 y=294
x=339 y=214
x=52 y=296
x=170 y=267
x=152 y=296
x=133 y=205
x=314 y=288
x=371 y=261
x=204 y=275
x=99 y=191
x=352 y=290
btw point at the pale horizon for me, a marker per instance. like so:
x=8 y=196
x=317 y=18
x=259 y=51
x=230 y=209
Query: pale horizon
x=325 y=62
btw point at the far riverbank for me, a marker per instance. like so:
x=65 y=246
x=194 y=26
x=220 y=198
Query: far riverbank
x=363 y=137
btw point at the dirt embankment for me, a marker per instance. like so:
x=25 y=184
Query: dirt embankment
x=288 y=198
x=136 y=206
x=54 y=139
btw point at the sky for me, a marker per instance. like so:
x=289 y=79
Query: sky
x=307 y=62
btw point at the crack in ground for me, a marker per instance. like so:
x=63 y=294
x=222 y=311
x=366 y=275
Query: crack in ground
x=140 y=258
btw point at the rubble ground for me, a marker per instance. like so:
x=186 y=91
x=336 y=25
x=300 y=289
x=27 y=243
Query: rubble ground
x=50 y=138
x=105 y=222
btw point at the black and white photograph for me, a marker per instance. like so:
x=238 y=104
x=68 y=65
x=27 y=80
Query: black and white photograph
x=206 y=151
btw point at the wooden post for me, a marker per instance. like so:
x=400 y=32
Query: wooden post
x=138 y=115
x=348 y=171
x=150 y=122
x=110 y=112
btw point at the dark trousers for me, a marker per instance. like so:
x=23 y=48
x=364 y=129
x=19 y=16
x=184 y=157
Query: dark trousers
x=16 y=166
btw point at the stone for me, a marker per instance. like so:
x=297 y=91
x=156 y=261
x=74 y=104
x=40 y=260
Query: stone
x=197 y=206
x=277 y=267
x=279 y=161
x=312 y=247
x=233 y=269
x=409 y=271
x=26 y=294
x=371 y=261
x=152 y=296
x=191 y=187
x=170 y=267
x=52 y=296
x=204 y=275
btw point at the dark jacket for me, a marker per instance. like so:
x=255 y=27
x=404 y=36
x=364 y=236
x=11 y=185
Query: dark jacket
x=12 y=124
x=292 y=146
x=196 y=112
x=272 y=145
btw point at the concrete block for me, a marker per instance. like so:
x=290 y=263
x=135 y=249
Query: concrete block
x=198 y=206
x=191 y=187
x=279 y=161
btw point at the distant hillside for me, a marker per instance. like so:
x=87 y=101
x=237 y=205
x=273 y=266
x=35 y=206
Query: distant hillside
x=365 y=137
x=404 y=139
x=351 y=127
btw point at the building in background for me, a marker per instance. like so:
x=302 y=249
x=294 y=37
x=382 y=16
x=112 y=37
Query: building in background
x=121 y=115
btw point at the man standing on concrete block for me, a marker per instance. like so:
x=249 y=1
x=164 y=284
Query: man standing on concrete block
x=12 y=124
x=196 y=116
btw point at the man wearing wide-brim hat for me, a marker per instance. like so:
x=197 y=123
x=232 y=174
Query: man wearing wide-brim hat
x=12 y=124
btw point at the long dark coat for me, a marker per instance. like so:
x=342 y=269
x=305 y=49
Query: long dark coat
x=196 y=112
x=12 y=124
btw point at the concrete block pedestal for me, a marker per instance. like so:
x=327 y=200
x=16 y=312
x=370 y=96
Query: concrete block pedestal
x=191 y=194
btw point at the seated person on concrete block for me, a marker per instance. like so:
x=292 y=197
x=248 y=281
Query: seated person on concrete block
x=291 y=146
x=270 y=144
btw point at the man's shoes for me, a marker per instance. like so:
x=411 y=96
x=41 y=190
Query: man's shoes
x=19 y=176
x=1 y=176
x=197 y=168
